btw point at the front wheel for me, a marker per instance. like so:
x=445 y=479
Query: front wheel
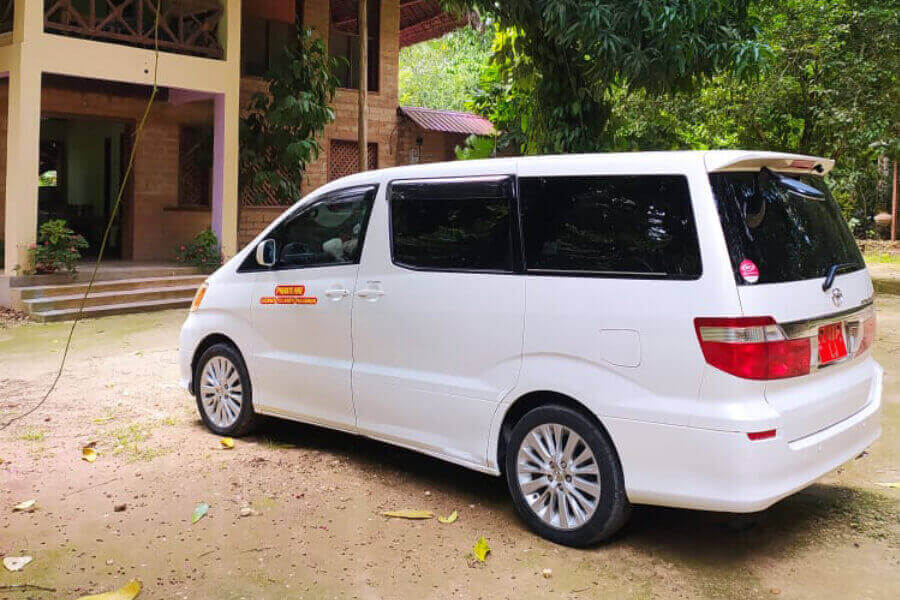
x=565 y=478
x=222 y=389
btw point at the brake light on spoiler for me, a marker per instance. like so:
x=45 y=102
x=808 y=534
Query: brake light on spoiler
x=760 y=348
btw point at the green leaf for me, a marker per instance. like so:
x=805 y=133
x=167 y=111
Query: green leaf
x=199 y=512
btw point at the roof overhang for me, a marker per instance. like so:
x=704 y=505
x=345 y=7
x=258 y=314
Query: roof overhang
x=420 y=20
x=447 y=121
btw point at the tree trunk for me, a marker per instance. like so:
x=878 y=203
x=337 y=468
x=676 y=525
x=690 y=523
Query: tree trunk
x=894 y=206
x=363 y=85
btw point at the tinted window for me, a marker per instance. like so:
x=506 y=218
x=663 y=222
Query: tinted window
x=788 y=225
x=627 y=225
x=330 y=232
x=452 y=224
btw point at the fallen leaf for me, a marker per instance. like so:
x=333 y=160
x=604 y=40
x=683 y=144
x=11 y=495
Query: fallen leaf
x=102 y=420
x=199 y=512
x=16 y=563
x=449 y=519
x=28 y=506
x=128 y=592
x=481 y=549
x=227 y=443
x=89 y=454
x=409 y=514
x=890 y=484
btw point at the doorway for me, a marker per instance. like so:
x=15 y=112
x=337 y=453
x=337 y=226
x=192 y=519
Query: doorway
x=81 y=168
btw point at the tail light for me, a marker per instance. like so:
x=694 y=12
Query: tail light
x=868 y=332
x=752 y=347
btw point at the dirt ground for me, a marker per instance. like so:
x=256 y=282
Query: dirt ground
x=316 y=530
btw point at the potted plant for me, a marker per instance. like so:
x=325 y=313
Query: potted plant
x=58 y=248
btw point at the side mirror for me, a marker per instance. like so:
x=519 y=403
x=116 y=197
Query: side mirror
x=265 y=253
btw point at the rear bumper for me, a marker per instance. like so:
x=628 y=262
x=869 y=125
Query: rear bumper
x=704 y=469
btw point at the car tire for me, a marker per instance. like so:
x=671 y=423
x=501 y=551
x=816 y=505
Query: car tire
x=223 y=392
x=577 y=502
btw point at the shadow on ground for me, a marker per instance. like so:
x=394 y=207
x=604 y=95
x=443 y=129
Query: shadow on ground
x=697 y=539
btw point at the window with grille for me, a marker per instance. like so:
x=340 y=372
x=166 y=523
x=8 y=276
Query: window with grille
x=343 y=158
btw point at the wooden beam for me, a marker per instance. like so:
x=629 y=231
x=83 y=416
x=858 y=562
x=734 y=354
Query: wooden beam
x=363 y=85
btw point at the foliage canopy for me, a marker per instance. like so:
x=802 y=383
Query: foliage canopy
x=281 y=131
x=561 y=63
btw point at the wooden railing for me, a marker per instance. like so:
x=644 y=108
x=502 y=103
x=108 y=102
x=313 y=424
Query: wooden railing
x=6 y=15
x=185 y=26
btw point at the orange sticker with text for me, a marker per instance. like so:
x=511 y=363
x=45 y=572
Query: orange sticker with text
x=289 y=294
x=290 y=290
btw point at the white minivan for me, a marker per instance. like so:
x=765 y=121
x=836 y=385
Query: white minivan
x=686 y=329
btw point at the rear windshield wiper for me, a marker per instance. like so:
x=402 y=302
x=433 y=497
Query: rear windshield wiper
x=832 y=273
x=794 y=186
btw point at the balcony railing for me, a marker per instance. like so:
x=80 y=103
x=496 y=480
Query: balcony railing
x=185 y=26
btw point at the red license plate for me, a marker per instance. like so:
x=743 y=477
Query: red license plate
x=831 y=343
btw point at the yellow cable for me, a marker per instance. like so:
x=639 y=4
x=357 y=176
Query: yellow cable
x=139 y=131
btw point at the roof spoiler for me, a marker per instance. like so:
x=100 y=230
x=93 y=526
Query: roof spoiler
x=777 y=161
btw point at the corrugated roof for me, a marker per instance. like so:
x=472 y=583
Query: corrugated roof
x=448 y=121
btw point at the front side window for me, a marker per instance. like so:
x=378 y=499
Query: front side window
x=330 y=232
x=622 y=225
x=453 y=225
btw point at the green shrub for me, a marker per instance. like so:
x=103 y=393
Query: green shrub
x=58 y=248
x=202 y=252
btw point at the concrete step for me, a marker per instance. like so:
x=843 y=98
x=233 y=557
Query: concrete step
x=51 y=303
x=78 y=289
x=67 y=314
x=108 y=272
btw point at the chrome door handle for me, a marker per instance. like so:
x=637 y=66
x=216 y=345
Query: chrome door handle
x=370 y=293
x=337 y=293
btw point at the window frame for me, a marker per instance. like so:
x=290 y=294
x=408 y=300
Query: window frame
x=608 y=274
x=249 y=265
x=516 y=250
x=373 y=68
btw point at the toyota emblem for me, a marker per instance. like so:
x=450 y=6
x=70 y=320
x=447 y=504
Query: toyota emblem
x=837 y=296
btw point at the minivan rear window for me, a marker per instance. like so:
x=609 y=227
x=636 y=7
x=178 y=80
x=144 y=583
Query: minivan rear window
x=617 y=225
x=786 y=225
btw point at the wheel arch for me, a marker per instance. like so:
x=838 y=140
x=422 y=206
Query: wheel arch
x=206 y=343
x=531 y=400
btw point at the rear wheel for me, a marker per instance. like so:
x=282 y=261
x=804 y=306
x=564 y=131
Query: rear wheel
x=223 y=392
x=565 y=477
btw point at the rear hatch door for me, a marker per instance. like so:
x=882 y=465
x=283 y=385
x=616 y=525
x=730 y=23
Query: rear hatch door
x=794 y=259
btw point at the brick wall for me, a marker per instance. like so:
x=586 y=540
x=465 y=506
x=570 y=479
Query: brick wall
x=152 y=227
x=382 y=127
x=253 y=219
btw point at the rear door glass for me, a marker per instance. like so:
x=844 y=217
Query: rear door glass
x=453 y=224
x=621 y=225
x=786 y=225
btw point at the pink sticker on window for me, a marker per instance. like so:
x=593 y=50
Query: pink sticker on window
x=749 y=271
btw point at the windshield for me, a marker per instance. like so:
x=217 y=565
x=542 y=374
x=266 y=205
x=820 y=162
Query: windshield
x=782 y=227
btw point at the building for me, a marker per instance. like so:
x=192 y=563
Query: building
x=75 y=77
x=429 y=135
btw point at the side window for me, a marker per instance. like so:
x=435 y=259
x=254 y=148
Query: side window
x=452 y=224
x=330 y=232
x=616 y=225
